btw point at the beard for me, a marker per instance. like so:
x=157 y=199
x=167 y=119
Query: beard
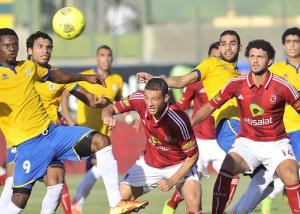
x=260 y=72
x=233 y=59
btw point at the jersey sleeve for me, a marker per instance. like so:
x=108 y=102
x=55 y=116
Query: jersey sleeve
x=43 y=73
x=292 y=96
x=71 y=87
x=187 y=97
x=120 y=86
x=224 y=94
x=134 y=101
x=188 y=139
x=203 y=68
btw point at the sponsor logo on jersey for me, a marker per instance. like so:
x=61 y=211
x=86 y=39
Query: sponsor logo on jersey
x=256 y=110
x=154 y=141
x=273 y=99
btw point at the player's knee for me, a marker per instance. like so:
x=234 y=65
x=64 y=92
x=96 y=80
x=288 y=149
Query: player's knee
x=55 y=175
x=99 y=141
x=20 y=197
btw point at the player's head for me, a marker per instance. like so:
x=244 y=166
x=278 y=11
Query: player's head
x=9 y=46
x=39 y=47
x=156 y=96
x=104 y=57
x=213 y=50
x=260 y=54
x=230 y=45
x=291 y=42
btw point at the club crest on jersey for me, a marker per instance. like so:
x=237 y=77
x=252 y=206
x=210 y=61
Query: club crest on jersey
x=256 y=110
x=4 y=76
x=168 y=138
x=273 y=99
x=51 y=86
x=28 y=72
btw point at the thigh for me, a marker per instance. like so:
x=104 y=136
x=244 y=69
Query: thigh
x=226 y=132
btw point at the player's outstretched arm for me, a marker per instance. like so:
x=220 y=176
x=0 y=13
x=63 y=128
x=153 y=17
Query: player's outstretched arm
x=108 y=116
x=173 y=82
x=205 y=111
x=91 y=99
x=58 y=76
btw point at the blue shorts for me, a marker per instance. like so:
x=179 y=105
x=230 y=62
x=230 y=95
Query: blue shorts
x=10 y=155
x=295 y=142
x=35 y=155
x=227 y=131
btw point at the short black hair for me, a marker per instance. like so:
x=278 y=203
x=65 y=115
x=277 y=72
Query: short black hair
x=214 y=45
x=39 y=34
x=231 y=32
x=290 y=31
x=261 y=44
x=104 y=47
x=8 y=32
x=157 y=84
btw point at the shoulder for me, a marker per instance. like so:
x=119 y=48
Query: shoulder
x=89 y=71
x=115 y=76
x=282 y=83
x=139 y=95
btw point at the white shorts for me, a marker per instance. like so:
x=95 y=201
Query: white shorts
x=209 y=151
x=270 y=153
x=143 y=175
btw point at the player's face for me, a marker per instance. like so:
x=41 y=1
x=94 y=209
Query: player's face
x=259 y=61
x=215 y=52
x=229 y=48
x=104 y=59
x=155 y=102
x=41 y=51
x=9 y=47
x=292 y=46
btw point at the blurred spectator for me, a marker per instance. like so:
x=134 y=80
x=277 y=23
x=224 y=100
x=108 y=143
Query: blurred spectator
x=121 y=18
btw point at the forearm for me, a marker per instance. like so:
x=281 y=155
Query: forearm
x=65 y=108
x=182 y=81
x=204 y=112
x=187 y=165
x=61 y=77
x=108 y=111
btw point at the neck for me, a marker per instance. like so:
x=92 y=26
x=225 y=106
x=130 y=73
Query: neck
x=295 y=61
x=259 y=78
x=102 y=72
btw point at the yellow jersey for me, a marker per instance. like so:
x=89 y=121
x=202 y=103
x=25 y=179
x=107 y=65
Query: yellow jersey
x=215 y=73
x=91 y=117
x=22 y=114
x=50 y=94
x=291 y=118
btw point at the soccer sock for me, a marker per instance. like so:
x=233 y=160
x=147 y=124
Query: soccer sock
x=65 y=200
x=293 y=193
x=175 y=199
x=233 y=187
x=6 y=192
x=109 y=172
x=278 y=187
x=221 y=191
x=11 y=208
x=51 y=199
x=85 y=186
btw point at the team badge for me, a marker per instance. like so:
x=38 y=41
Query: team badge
x=155 y=141
x=217 y=97
x=167 y=138
x=28 y=72
x=4 y=76
x=273 y=99
x=51 y=86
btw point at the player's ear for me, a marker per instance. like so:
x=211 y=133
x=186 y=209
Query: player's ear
x=270 y=62
x=167 y=97
x=29 y=51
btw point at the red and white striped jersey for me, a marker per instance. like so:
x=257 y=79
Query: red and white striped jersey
x=170 y=140
x=261 y=108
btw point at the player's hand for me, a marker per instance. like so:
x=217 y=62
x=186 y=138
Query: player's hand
x=110 y=122
x=144 y=77
x=95 y=79
x=165 y=184
x=136 y=124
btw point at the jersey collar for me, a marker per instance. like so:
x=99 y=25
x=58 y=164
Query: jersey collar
x=163 y=114
x=265 y=83
x=10 y=67
x=296 y=68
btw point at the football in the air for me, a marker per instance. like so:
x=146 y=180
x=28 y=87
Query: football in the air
x=68 y=22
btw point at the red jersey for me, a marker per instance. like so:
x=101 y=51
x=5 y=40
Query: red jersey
x=261 y=108
x=196 y=92
x=170 y=140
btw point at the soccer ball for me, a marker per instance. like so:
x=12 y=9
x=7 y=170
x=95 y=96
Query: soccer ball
x=68 y=22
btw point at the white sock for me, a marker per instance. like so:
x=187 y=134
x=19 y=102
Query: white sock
x=6 y=192
x=278 y=187
x=96 y=171
x=109 y=171
x=11 y=208
x=52 y=199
